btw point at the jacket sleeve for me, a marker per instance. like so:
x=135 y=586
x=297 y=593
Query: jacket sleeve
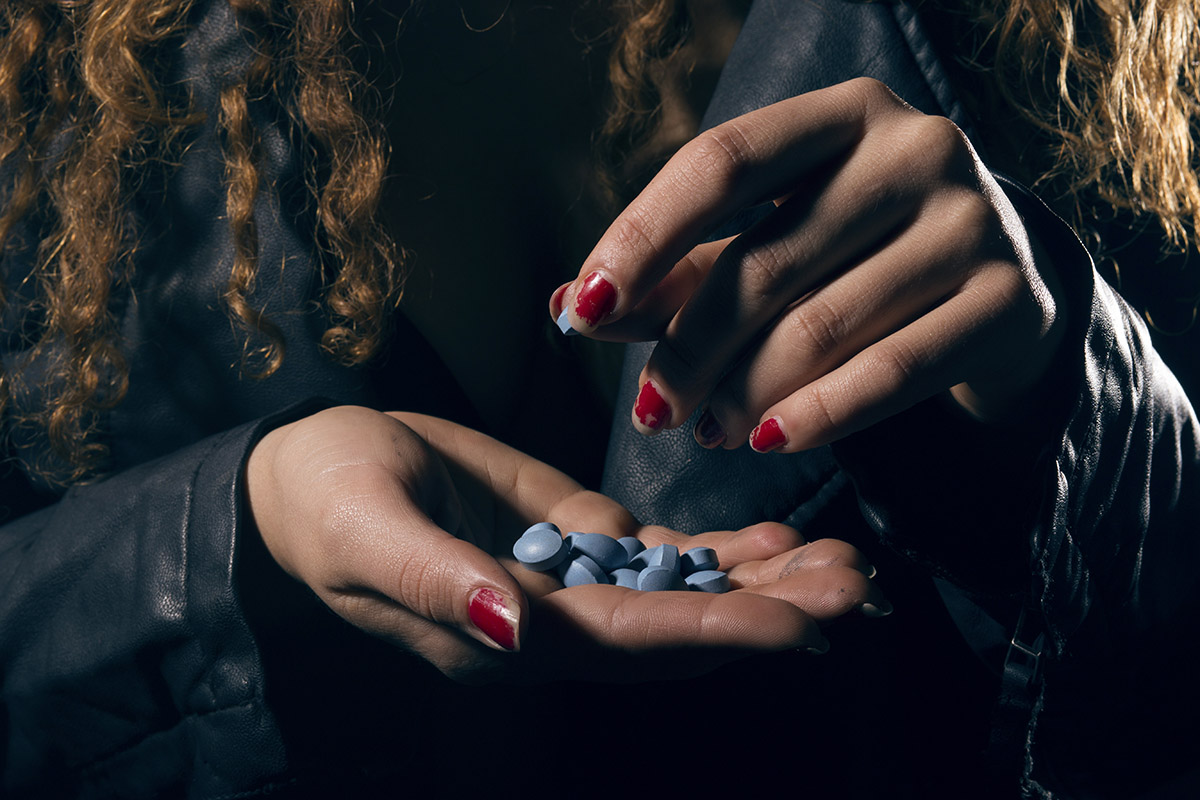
x=128 y=665
x=1084 y=512
x=1098 y=477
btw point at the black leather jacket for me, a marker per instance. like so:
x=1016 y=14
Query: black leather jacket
x=1084 y=515
x=139 y=652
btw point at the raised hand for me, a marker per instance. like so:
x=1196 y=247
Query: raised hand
x=891 y=269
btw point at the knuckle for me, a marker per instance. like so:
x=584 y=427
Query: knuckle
x=815 y=330
x=971 y=216
x=777 y=537
x=927 y=145
x=721 y=156
x=892 y=363
x=421 y=586
x=634 y=232
x=938 y=134
x=767 y=269
x=817 y=406
x=872 y=91
x=1001 y=292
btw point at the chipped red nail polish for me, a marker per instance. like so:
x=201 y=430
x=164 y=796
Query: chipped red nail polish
x=490 y=611
x=708 y=431
x=650 y=408
x=768 y=436
x=595 y=299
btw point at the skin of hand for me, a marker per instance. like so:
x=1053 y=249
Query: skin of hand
x=892 y=268
x=403 y=524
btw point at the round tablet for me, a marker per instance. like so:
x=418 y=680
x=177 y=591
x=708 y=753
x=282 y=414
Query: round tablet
x=540 y=549
x=624 y=577
x=632 y=545
x=698 y=559
x=708 y=580
x=581 y=571
x=604 y=550
x=658 y=579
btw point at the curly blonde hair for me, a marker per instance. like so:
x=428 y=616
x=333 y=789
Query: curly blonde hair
x=1112 y=90
x=1111 y=87
x=86 y=120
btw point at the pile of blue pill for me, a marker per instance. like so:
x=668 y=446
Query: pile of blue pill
x=583 y=558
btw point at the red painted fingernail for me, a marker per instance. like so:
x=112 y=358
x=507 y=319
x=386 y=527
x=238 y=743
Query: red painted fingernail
x=595 y=299
x=496 y=616
x=768 y=436
x=708 y=431
x=650 y=408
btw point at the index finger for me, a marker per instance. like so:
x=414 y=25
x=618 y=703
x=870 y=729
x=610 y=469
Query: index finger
x=749 y=160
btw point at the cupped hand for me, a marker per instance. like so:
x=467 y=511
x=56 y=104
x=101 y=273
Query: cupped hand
x=890 y=269
x=403 y=524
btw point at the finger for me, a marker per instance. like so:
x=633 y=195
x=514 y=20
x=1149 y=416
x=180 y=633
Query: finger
x=647 y=622
x=886 y=292
x=808 y=240
x=744 y=162
x=648 y=320
x=459 y=656
x=816 y=555
x=972 y=332
x=828 y=593
x=755 y=543
x=386 y=546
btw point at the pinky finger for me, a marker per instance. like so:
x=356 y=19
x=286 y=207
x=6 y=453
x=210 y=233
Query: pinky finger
x=828 y=594
x=913 y=364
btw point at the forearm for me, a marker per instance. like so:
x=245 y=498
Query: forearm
x=123 y=630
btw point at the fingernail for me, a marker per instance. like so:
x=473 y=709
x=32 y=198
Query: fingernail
x=496 y=616
x=876 y=610
x=768 y=436
x=708 y=431
x=818 y=649
x=595 y=299
x=651 y=410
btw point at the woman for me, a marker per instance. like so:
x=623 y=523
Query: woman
x=197 y=243
x=305 y=478
x=1003 y=417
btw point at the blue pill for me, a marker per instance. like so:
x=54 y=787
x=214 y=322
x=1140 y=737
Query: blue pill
x=708 y=580
x=540 y=549
x=550 y=526
x=660 y=579
x=632 y=546
x=564 y=324
x=580 y=571
x=625 y=577
x=698 y=559
x=604 y=550
x=665 y=555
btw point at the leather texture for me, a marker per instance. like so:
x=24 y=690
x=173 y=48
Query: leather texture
x=128 y=664
x=1082 y=513
x=139 y=658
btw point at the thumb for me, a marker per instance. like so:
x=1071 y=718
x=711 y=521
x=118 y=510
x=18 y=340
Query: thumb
x=415 y=566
